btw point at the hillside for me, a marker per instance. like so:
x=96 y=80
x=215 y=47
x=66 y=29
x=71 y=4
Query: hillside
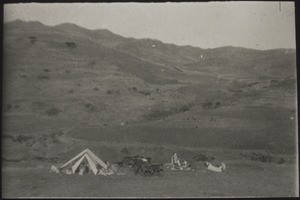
x=66 y=78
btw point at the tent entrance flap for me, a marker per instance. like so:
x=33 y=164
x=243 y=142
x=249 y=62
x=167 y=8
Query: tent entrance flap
x=76 y=165
x=92 y=165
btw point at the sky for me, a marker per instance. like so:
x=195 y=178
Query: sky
x=257 y=25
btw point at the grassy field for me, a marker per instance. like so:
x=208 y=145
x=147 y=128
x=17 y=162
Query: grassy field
x=241 y=179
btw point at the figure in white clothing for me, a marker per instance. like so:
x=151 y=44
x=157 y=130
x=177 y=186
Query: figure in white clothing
x=175 y=160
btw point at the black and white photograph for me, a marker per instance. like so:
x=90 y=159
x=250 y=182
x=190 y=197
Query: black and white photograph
x=155 y=100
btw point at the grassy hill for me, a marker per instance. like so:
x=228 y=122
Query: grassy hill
x=94 y=85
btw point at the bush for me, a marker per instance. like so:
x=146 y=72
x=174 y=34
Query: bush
x=183 y=108
x=109 y=92
x=207 y=104
x=281 y=161
x=146 y=93
x=90 y=107
x=71 y=44
x=32 y=39
x=52 y=111
x=22 y=138
x=46 y=70
x=162 y=113
x=203 y=158
x=96 y=88
x=125 y=151
x=43 y=77
x=263 y=158
x=8 y=106
x=217 y=104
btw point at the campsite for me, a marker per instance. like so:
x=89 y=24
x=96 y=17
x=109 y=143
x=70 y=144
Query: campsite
x=92 y=113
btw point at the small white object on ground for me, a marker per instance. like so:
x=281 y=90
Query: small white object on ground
x=214 y=168
x=54 y=169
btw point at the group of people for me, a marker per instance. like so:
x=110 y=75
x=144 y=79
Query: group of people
x=176 y=165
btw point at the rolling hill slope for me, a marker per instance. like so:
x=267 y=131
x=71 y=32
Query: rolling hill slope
x=65 y=77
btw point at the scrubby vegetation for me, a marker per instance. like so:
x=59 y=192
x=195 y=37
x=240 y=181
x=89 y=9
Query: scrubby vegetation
x=90 y=107
x=125 y=151
x=146 y=93
x=32 y=39
x=209 y=105
x=71 y=44
x=113 y=92
x=161 y=113
x=52 y=111
x=201 y=157
x=43 y=77
x=261 y=157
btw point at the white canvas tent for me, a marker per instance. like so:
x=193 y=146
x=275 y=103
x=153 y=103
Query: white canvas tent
x=90 y=158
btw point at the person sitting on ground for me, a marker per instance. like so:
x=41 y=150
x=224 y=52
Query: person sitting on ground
x=108 y=170
x=175 y=160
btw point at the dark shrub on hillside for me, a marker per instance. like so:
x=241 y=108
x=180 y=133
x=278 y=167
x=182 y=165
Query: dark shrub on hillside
x=217 y=104
x=32 y=39
x=46 y=70
x=52 y=111
x=90 y=107
x=70 y=44
x=22 y=138
x=43 y=77
x=17 y=106
x=40 y=158
x=38 y=104
x=112 y=92
x=264 y=158
x=183 y=108
x=68 y=71
x=281 y=161
x=10 y=160
x=96 y=88
x=8 y=106
x=146 y=93
x=203 y=158
x=163 y=113
x=22 y=76
x=207 y=104
x=125 y=151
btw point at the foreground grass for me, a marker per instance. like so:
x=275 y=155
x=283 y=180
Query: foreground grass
x=241 y=179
